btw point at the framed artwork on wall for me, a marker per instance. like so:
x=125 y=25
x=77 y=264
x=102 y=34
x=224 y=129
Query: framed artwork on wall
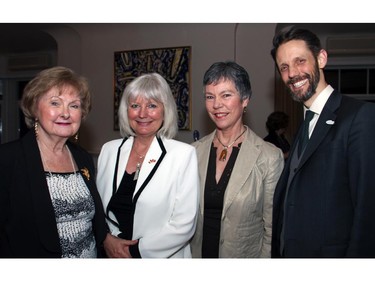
x=172 y=63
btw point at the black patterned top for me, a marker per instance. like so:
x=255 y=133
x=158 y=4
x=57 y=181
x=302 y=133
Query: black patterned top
x=74 y=210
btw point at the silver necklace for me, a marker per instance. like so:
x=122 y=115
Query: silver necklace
x=224 y=152
x=71 y=161
x=139 y=164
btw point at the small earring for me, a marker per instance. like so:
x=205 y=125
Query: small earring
x=36 y=128
x=76 y=138
x=244 y=110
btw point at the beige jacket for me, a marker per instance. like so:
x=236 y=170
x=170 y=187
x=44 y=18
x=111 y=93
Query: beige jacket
x=246 y=222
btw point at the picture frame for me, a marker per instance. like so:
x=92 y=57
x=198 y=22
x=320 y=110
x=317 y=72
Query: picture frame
x=173 y=63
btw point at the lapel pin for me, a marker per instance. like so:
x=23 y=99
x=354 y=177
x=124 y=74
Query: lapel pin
x=151 y=161
x=86 y=173
x=330 y=122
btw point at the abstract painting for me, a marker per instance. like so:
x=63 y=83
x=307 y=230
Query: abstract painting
x=171 y=63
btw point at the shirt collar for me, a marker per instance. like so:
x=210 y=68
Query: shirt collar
x=318 y=104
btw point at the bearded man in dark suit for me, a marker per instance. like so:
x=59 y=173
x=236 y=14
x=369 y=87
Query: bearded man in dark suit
x=324 y=201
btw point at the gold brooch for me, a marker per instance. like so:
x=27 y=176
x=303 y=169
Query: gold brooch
x=86 y=173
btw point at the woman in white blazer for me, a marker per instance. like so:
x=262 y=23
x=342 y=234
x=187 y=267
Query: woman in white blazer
x=238 y=173
x=148 y=182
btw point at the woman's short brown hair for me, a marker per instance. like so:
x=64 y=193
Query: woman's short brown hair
x=59 y=77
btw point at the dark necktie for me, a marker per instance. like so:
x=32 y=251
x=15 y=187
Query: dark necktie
x=305 y=132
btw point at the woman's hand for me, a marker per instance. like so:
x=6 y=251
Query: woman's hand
x=116 y=247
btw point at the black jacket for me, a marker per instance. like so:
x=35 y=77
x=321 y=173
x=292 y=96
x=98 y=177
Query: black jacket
x=330 y=206
x=27 y=219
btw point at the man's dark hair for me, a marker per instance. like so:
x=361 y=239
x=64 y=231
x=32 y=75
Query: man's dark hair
x=312 y=41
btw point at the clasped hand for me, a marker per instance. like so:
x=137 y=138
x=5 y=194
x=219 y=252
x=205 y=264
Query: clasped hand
x=117 y=247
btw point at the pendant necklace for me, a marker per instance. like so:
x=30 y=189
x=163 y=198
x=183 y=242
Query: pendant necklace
x=224 y=152
x=139 y=164
x=71 y=161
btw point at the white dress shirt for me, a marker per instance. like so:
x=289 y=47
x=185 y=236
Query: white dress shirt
x=317 y=107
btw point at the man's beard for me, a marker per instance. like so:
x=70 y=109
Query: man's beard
x=313 y=81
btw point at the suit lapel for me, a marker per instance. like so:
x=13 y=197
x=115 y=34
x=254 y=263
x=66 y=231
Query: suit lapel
x=238 y=176
x=325 y=123
x=149 y=162
x=152 y=160
x=41 y=200
x=84 y=167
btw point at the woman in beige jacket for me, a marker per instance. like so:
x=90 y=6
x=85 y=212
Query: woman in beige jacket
x=238 y=173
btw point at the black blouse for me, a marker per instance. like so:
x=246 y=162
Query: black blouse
x=213 y=202
x=121 y=205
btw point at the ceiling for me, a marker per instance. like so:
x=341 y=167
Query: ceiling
x=333 y=28
x=32 y=37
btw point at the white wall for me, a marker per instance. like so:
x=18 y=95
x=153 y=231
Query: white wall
x=89 y=49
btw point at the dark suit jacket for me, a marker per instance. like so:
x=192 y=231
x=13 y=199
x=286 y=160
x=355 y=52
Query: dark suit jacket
x=27 y=220
x=330 y=210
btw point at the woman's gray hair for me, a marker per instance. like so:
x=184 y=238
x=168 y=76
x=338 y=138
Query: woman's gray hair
x=149 y=86
x=229 y=71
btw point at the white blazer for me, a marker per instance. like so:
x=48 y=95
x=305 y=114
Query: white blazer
x=166 y=209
